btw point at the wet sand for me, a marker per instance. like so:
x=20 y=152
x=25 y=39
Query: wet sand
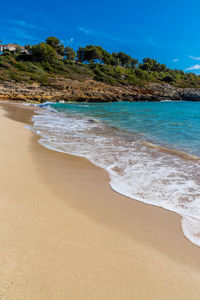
x=64 y=234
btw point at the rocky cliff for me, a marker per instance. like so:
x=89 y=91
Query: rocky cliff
x=91 y=91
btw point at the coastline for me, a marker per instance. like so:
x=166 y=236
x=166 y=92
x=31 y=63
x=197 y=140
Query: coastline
x=94 y=91
x=71 y=241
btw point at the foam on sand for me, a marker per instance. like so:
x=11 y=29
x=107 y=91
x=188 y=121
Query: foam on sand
x=137 y=169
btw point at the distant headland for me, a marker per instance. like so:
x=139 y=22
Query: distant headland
x=50 y=71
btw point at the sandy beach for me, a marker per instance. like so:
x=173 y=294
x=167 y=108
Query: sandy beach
x=64 y=234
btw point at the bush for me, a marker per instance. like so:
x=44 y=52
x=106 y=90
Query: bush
x=16 y=77
x=168 y=79
x=105 y=79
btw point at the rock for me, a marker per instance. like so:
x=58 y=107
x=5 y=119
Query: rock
x=93 y=91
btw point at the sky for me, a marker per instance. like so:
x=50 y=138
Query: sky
x=168 y=31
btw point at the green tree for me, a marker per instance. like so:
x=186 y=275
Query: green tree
x=115 y=59
x=107 y=58
x=92 y=53
x=141 y=74
x=18 y=50
x=124 y=59
x=55 y=44
x=28 y=48
x=6 y=52
x=133 y=63
x=43 y=53
x=69 y=53
x=147 y=64
x=81 y=54
x=150 y=64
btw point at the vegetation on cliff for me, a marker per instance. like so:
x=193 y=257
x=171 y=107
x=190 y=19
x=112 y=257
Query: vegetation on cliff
x=49 y=60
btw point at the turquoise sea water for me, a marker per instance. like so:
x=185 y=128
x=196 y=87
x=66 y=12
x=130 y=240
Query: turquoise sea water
x=175 y=124
x=113 y=136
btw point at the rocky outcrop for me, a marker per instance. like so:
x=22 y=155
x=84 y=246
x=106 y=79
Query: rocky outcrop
x=91 y=91
x=167 y=91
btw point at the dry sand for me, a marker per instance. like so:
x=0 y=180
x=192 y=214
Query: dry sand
x=64 y=234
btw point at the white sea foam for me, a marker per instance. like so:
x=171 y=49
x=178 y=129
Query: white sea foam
x=136 y=170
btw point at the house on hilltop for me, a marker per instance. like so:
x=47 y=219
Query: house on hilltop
x=11 y=47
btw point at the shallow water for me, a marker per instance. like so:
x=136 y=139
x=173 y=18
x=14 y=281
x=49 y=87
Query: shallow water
x=113 y=136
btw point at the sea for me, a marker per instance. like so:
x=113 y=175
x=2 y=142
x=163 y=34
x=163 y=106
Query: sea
x=151 y=150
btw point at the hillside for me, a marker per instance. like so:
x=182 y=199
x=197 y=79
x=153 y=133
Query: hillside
x=49 y=71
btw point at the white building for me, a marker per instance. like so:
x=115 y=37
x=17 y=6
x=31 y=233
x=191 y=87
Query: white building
x=11 y=47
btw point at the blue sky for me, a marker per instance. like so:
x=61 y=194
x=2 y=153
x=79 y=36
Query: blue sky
x=165 y=30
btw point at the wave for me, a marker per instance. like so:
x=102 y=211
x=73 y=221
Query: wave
x=139 y=170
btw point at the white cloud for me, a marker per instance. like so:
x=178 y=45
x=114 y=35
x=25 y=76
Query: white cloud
x=194 y=57
x=35 y=14
x=24 y=24
x=175 y=60
x=19 y=34
x=84 y=30
x=101 y=34
x=195 y=67
x=25 y=35
x=144 y=40
x=71 y=40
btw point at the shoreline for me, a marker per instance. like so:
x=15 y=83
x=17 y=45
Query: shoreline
x=137 y=250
